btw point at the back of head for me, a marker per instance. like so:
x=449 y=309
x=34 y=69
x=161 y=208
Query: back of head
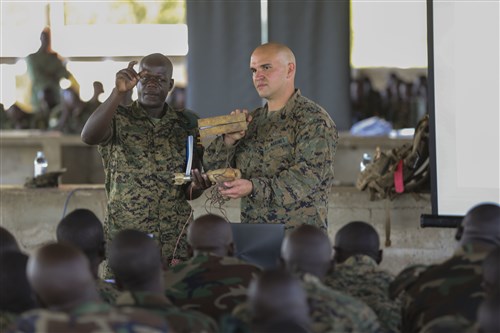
x=83 y=229
x=8 y=242
x=60 y=275
x=15 y=291
x=276 y=296
x=307 y=249
x=357 y=238
x=135 y=259
x=491 y=272
x=481 y=225
x=211 y=233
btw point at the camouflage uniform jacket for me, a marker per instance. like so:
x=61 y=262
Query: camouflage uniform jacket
x=210 y=284
x=330 y=310
x=181 y=321
x=450 y=288
x=90 y=318
x=140 y=159
x=107 y=291
x=361 y=277
x=288 y=156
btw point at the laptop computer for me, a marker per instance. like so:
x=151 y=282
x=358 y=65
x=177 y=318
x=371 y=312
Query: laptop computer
x=258 y=243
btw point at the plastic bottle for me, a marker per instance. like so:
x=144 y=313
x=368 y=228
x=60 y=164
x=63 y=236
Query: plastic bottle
x=40 y=164
x=367 y=159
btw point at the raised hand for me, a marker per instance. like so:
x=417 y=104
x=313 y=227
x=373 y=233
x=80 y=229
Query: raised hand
x=127 y=78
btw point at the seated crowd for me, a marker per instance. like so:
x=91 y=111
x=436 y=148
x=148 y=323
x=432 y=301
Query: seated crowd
x=320 y=285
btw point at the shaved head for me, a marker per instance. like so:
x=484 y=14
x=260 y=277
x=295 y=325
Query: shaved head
x=8 y=242
x=157 y=60
x=60 y=275
x=481 y=224
x=135 y=259
x=308 y=250
x=210 y=233
x=83 y=229
x=357 y=238
x=281 y=51
x=277 y=296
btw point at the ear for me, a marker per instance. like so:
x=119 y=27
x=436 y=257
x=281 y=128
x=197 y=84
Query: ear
x=172 y=81
x=379 y=256
x=291 y=69
x=190 y=251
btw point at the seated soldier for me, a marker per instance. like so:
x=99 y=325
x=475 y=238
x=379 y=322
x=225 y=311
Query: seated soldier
x=453 y=287
x=307 y=253
x=276 y=302
x=135 y=260
x=357 y=256
x=8 y=242
x=60 y=276
x=16 y=295
x=212 y=281
x=82 y=229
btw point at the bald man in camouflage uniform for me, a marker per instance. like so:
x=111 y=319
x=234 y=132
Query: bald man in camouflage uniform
x=142 y=145
x=307 y=253
x=212 y=281
x=136 y=262
x=61 y=278
x=286 y=155
x=357 y=272
x=454 y=286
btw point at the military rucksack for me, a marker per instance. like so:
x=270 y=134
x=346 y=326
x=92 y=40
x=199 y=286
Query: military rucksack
x=400 y=170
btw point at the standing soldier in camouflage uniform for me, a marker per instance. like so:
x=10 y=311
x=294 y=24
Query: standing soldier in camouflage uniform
x=82 y=229
x=212 y=281
x=142 y=145
x=136 y=262
x=307 y=253
x=286 y=155
x=453 y=288
x=61 y=278
x=358 y=255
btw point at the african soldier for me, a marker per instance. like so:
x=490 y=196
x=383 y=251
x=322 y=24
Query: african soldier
x=61 y=278
x=16 y=295
x=82 y=229
x=286 y=155
x=453 y=287
x=212 y=281
x=307 y=253
x=357 y=256
x=136 y=263
x=142 y=145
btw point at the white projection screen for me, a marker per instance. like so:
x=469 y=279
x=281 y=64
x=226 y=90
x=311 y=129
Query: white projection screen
x=463 y=46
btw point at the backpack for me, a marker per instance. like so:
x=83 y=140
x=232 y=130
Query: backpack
x=399 y=170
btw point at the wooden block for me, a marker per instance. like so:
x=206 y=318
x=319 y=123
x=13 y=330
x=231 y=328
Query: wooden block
x=222 y=125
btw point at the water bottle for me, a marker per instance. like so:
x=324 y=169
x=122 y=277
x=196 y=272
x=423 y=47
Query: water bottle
x=367 y=158
x=40 y=163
